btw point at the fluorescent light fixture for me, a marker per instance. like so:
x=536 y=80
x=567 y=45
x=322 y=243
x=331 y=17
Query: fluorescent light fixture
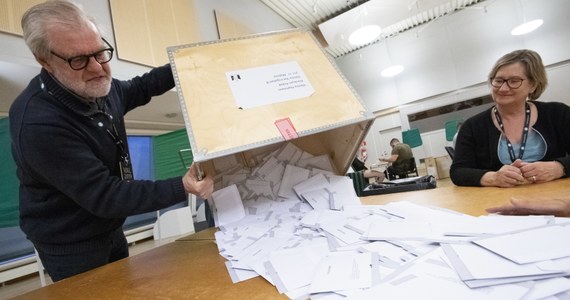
x=392 y=71
x=364 y=35
x=527 y=27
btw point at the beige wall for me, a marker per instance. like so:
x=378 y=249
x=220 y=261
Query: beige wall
x=11 y=12
x=228 y=27
x=144 y=29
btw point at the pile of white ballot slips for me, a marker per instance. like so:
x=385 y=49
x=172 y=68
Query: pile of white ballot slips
x=302 y=228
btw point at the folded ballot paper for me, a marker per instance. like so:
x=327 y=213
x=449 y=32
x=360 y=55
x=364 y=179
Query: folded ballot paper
x=514 y=257
x=294 y=223
x=531 y=245
x=478 y=267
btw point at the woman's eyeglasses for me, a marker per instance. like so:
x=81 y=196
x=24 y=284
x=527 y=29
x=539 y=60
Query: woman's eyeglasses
x=513 y=83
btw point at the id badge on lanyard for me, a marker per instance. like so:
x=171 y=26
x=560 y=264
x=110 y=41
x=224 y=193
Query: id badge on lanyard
x=125 y=166
x=126 y=169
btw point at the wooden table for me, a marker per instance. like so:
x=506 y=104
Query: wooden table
x=204 y=235
x=472 y=200
x=191 y=268
x=177 y=270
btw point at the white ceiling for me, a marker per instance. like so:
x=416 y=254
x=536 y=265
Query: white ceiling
x=331 y=20
x=335 y=20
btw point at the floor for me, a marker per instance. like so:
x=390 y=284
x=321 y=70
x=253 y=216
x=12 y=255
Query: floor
x=31 y=282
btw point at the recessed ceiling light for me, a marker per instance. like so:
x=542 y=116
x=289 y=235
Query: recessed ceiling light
x=364 y=35
x=392 y=71
x=527 y=27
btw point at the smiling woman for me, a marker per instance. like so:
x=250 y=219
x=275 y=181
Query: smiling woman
x=506 y=145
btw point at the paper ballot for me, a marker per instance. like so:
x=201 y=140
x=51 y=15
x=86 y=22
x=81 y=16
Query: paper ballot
x=229 y=207
x=531 y=245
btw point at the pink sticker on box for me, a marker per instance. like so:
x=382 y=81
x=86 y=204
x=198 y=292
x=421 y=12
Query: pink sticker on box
x=285 y=126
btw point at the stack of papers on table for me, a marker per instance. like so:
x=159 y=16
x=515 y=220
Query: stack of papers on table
x=537 y=253
x=302 y=228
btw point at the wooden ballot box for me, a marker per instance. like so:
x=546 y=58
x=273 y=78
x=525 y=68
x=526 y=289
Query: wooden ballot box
x=246 y=96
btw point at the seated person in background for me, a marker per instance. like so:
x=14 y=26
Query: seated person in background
x=399 y=158
x=357 y=165
x=516 y=141
x=557 y=206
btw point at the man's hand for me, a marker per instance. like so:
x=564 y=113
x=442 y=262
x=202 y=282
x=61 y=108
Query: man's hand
x=558 y=206
x=389 y=159
x=202 y=188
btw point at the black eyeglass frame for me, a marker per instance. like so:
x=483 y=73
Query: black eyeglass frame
x=500 y=81
x=84 y=59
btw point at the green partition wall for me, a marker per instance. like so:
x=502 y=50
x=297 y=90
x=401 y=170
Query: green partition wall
x=9 y=183
x=167 y=161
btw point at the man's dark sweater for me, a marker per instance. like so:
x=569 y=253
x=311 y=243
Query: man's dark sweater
x=72 y=196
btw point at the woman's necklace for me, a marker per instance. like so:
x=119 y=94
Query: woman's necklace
x=524 y=134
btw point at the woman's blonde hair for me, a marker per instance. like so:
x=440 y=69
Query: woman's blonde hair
x=534 y=69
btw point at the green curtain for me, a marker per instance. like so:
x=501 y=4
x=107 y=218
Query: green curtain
x=450 y=130
x=412 y=137
x=167 y=160
x=9 y=215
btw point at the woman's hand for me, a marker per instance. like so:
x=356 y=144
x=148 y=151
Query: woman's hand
x=542 y=171
x=506 y=176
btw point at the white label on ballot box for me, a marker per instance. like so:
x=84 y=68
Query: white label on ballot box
x=269 y=84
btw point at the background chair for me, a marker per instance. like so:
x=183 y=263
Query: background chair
x=41 y=270
x=174 y=223
x=358 y=181
x=451 y=151
x=411 y=170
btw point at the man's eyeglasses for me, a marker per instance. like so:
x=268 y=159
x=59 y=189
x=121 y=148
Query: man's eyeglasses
x=513 y=83
x=81 y=61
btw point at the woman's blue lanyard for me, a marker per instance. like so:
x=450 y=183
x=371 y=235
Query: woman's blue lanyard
x=524 y=134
